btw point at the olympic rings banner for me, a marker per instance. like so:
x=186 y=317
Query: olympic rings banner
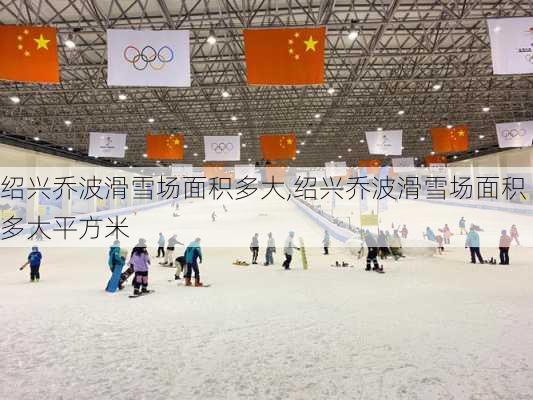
x=222 y=148
x=511 y=45
x=148 y=58
x=515 y=134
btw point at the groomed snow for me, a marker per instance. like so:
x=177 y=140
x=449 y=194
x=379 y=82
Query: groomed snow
x=430 y=328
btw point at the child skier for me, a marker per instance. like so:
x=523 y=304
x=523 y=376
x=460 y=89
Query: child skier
x=34 y=261
x=180 y=265
x=141 y=262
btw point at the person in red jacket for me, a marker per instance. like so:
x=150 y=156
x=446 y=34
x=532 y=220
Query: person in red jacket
x=505 y=243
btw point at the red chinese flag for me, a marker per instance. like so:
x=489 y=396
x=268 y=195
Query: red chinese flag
x=450 y=140
x=278 y=147
x=29 y=54
x=285 y=56
x=164 y=147
x=429 y=160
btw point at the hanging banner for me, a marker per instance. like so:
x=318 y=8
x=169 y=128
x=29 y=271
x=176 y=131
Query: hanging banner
x=148 y=58
x=111 y=145
x=244 y=171
x=515 y=134
x=511 y=45
x=403 y=164
x=222 y=148
x=335 y=169
x=384 y=142
x=181 y=170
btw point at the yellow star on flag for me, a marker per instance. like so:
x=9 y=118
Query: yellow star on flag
x=42 y=43
x=177 y=141
x=461 y=133
x=310 y=44
x=289 y=141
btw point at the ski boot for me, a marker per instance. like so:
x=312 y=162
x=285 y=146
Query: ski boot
x=176 y=277
x=136 y=292
x=188 y=282
x=197 y=283
x=145 y=291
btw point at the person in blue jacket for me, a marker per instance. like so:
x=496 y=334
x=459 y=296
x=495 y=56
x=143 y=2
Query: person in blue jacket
x=34 y=261
x=430 y=235
x=115 y=260
x=472 y=242
x=193 y=252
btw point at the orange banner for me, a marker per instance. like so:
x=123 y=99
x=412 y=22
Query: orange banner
x=450 y=140
x=29 y=54
x=285 y=56
x=428 y=160
x=278 y=147
x=164 y=147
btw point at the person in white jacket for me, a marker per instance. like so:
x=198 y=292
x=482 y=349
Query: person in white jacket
x=270 y=250
x=288 y=249
x=326 y=242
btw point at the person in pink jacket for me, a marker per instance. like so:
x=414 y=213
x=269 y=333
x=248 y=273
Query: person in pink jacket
x=505 y=243
x=140 y=260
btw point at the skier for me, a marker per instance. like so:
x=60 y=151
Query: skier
x=462 y=225
x=372 y=255
x=404 y=232
x=161 y=246
x=193 y=252
x=430 y=235
x=396 y=245
x=116 y=260
x=439 y=239
x=514 y=234
x=326 y=242
x=34 y=261
x=140 y=260
x=254 y=247
x=169 y=258
x=271 y=248
x=447 y=233
x=179 y=267
x=472 y=241
x=384 y=251
x=505 y=243
x=213 y=216
x=224 y=207
x=288 y=250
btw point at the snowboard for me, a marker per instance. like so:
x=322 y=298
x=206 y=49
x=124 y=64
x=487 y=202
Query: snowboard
x=302 y=253
x=239 y=263
x=131 y=296
x=112 y=285
x=125 y=275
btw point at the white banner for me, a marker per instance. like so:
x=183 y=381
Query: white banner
x=511 y=45
x=335 y=168
x=148 y=58
x=385 y=142
x=515 y=134
x=244 y=170
x=437 y=168
x=181 y=170
x=222 y=148
x=110 y=145
x=403 y=164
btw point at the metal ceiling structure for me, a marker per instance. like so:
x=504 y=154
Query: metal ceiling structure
x=428 y=58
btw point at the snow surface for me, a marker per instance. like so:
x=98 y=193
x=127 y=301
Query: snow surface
x=430 y=328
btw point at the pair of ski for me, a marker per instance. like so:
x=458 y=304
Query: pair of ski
x=142 y=294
